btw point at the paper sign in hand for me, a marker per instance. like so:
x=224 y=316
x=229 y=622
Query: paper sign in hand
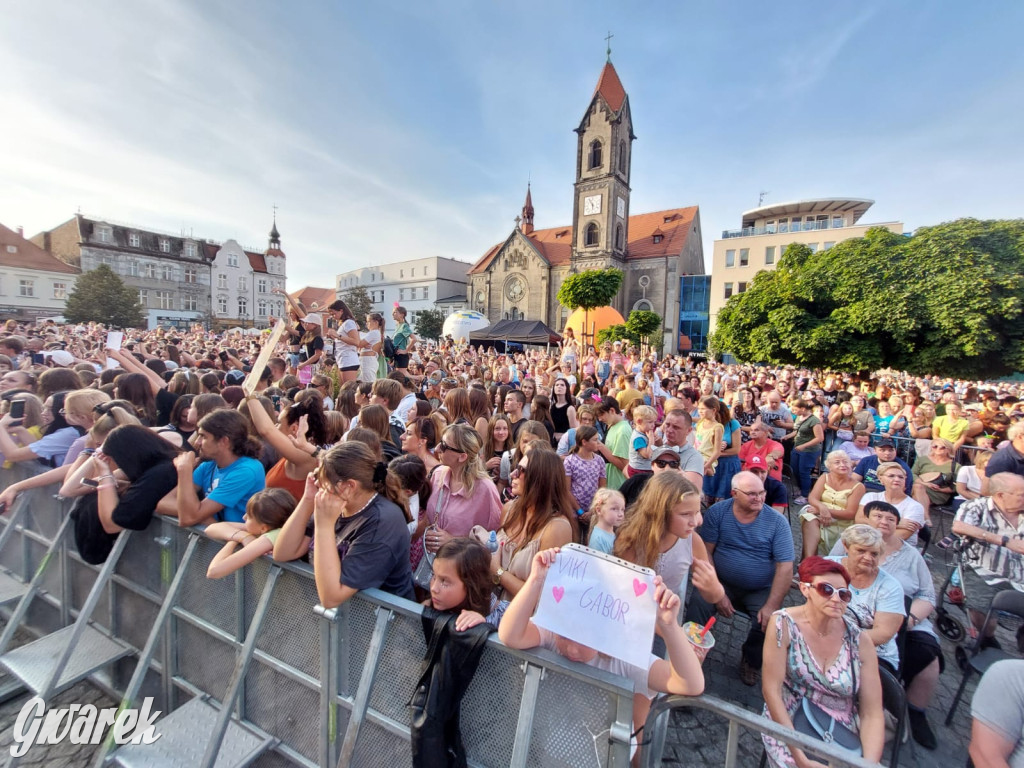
x=600 y=601
x=115 y=339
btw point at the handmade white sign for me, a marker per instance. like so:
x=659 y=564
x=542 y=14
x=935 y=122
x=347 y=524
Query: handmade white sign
x=600 y=601
x=115 y=339
x=253 y=379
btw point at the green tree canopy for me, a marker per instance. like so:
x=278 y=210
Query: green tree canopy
x=357 y=299
x=640 y=325
x=101 y=296
x=949 y=300
x=590 y=289
x=429 y=323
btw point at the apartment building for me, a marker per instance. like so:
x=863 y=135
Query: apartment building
x=33 y=284
x=416 y=284
x=766 y=232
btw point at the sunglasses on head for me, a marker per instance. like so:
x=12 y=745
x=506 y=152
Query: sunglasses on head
x=826 y=590
x=662 y=463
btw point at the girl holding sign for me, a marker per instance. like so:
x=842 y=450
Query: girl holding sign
x=681 y=674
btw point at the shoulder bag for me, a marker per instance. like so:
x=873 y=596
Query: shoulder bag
x=811 y=720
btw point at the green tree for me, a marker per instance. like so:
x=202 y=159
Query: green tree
x=612 y=333
x=643 y=324
x=948 y=300
x=101 y=296
x=589 y=290
x=429 y=323
x=358 y=300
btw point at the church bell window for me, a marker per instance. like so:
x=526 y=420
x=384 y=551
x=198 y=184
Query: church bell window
x=593 y=234
x=595 y=154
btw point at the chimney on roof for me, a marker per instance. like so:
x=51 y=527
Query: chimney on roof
x=21 y=231
x=527 y=213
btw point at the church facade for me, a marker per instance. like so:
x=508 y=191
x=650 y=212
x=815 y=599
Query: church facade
x=520 y=277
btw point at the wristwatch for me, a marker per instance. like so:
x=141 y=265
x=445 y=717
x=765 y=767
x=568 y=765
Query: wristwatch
x=497 y=576
x=1006 y=541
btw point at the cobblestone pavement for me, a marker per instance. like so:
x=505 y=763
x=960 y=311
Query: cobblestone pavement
x=697 y=737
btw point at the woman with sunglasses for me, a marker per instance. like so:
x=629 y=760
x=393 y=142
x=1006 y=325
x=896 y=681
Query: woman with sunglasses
x=817 y=653
x=420 y=439
x=877 y=605
x=934 y=477
x=922 y=656
x=461 y=492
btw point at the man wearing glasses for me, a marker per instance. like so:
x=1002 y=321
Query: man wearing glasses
x=751 y=546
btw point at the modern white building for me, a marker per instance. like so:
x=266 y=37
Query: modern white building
x=416 y=284
x=33 y=284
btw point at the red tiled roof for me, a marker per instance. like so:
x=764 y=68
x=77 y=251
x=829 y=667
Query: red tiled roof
x=610 y=87
x=210 y=250
x=256 y=261
x=555 y=244
x=310 y=294
x=275 y=252
x=28 y=255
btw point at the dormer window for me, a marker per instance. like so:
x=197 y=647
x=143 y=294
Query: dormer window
x=134 y=240
x=104 y=234
x=561 y=233
x=595 y=154
x=165 y=245
x=658 y=238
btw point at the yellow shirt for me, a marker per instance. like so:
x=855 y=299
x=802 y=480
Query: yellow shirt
x=951 y=430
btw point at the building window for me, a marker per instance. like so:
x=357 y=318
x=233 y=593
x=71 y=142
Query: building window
x=188 y=303
x=190 y=274
x=190 y=250
x=658 y=238
x=12 y=249
x=232 y=260
x=242 y=284
x=730 y=258
x=769 y=227
x=133 y=268
x=741 y=288
x=783 y=225
x=222 y=306
x=595 y=154
x=104 y=234
x=426 y=271
x=744 y=256
x=837 y=222
x=164 y=300
x=149 y=271
x=222 y=281
x=622 y=157
x=813 y=247
x=167 y=272
x=728 y=290
x=769 y=254
x=165 y=245
x=243 y=307
x=618 y=237
x=27 y=288
x=593 y=234
x=426 y=292
x=262 y=285
x=373 y=277
x=829 y=244
x=261 y=307
x=144 y=297
x=413 y=272
x=60 y=290
x=401 y=273
x=134 y=240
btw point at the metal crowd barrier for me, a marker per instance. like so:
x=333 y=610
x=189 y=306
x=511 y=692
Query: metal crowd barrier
x=302 y=685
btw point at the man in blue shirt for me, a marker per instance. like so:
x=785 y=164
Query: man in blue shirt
x=752 y=548
x=867 y=468
x=219 y=488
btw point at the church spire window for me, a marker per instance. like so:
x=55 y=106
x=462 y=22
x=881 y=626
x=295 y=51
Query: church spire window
x=595 y=154
x=622 y=156
x=593 y=234
x=618 y=237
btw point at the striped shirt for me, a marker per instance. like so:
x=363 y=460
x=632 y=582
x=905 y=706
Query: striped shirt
x=982 y=556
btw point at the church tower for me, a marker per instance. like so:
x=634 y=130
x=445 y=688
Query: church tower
x=603 y=154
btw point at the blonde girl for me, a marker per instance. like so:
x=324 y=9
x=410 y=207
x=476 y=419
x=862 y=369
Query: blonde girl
x=607 y=512
x=265 y=513
x=709 y=434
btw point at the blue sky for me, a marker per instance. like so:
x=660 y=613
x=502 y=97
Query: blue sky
x=392 y=130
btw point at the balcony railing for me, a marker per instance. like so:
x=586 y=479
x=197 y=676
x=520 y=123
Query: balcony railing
x=800 y=226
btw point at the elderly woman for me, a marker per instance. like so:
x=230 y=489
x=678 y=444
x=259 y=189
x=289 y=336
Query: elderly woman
x=818 y=653
x=877 y=604
x=833 y=504
x=922 y=656
x=893 y=478
x=761 y=444
x=934 y=477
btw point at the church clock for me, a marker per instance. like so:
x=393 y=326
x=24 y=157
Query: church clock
x=592 y=205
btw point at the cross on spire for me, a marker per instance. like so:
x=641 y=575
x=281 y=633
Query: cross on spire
x=608 y=40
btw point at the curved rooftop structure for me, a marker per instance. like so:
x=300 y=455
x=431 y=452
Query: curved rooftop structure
x=852 y=205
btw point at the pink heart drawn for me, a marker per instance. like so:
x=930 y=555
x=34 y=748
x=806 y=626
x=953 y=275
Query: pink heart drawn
x=639 y=587
x=559 y=593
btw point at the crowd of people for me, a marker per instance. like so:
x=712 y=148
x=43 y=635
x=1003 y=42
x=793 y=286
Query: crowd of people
x=451 y=475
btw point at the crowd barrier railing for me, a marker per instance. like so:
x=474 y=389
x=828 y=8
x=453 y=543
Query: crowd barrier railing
x=251 y=663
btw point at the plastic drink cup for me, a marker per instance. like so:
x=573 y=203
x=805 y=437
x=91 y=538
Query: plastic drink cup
x=700 y=646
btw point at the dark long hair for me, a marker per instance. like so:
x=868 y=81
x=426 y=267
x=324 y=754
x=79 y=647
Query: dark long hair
x=59 y=422
x=234 y=426
x=136 y=389
x=546 y=496
x=310 y=404
x=137 y=449
x=473 y=566
x=346 y=313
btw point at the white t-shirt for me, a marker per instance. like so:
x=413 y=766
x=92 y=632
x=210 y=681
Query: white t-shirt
x=968 y=475
x=405 y=405
x=638 y=675
x=909 y=509
x=345 y=353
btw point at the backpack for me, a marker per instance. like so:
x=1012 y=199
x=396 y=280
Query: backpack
x=389 y=348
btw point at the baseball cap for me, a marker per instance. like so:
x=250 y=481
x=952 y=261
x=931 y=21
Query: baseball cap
x=885 y=442
x=61 y=357
x=664 y=450
x=313 y=317
x=756 y=464
x=234 y=377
